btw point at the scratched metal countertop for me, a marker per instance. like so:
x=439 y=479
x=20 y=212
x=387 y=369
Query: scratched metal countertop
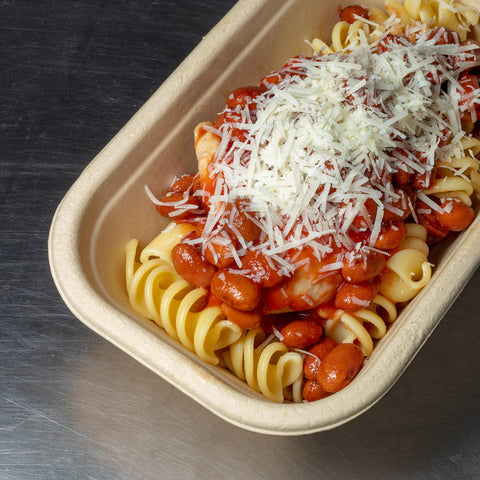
x=73 y=406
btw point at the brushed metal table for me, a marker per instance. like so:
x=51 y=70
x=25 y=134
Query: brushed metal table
x=73 y=406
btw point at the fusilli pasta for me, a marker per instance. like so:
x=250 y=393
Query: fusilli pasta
x=157 y=292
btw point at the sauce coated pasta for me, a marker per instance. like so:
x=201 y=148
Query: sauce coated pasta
x=320 y=191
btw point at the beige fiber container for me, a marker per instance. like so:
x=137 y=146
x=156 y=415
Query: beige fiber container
x=107 y=206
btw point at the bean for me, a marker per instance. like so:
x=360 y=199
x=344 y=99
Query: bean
x=183 y=184
x=256 y=262
x=313 y=391
x=177 y=201
x=250 y=319
x=273 y=78
x=276 y=321
x=295 y=64
x=468 y=83
x=301 y=334
x=470 y=56
x=363 y=220
x=426 y=217
x=227 y=116
x=218 y=253
x=402 y=204
x=363 y=268
x=447 y=36
x=230 y=117
x=388 y=40
x=353 y=296
x=391 y=235
x=422 y=181
x=192 y=266
x=236 y=290
x=244 y=96
x=244 y=226
x=319 y=352
x=349 y=14
x=401 y=178
x=456 y=216
x=340 y=366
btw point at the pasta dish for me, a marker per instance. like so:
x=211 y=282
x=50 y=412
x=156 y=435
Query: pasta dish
x=319 y=193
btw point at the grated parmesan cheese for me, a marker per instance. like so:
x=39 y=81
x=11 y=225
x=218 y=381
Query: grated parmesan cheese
x=323 y=142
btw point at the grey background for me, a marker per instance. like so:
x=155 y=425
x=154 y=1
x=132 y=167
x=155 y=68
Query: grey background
x=73 y=406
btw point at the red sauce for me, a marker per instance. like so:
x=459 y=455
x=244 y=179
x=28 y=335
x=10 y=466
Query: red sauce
x=253 y=292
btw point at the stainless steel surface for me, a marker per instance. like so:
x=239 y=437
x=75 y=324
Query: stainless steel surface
x=73 y=406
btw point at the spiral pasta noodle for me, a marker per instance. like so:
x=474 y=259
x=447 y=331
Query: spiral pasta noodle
x=451 y=15
x=379 y=134
x=432 y=13
x=362 y=326
x=345 y=35
x=161 y=246
x=408 y=270
x=266 y=366
x=157 y=292
x=458 y=177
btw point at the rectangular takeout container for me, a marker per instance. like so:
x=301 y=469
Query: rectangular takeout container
x=107 y=206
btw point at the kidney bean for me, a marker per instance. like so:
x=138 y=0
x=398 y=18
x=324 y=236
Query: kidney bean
x=192 y=266
x=471 y=56
x=447 y=36
x=349 y=14
x=313 y=391
x=200 y=226
x=174 y=201
x=359 y=236
x=218 y=253
x=362 y=220
x=183 y=184
x=364 y=268
x=391 y=235
x=426 y=217
x=229 y=118
x=294 y=66
x=319 y=352
x=401 y=178
x=388 y=40
x=236 y=290
x=301 y=334
x=273 y=78
x=340 y=366
x=257 y=263
x=455 y=216
x=244 y=96
x=279 y=320
x=403 y=172
x=422 y=181
x=244 y=226
x=353 y=296
x=401 y=204
x=468 y=83
x=251 y=319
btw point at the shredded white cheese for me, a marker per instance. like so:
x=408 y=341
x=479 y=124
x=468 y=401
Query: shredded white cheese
x=324 y=142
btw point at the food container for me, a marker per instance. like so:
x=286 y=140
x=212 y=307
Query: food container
x=107 y=206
